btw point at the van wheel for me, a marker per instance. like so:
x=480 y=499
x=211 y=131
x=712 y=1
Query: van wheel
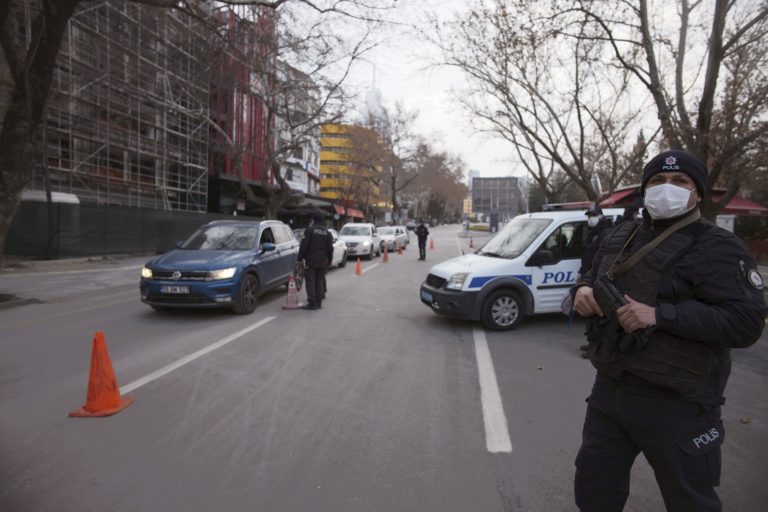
x=502 y=311
x=248 y=296
x=343 y=262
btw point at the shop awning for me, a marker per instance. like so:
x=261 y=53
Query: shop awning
x=338 y=209
x=742 y=206
x=355 y=213
x=616 y=198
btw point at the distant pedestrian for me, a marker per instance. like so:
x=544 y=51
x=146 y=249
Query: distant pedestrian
x=316 y=251
x=422 y=233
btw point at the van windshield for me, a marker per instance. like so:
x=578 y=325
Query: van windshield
x=515 y=238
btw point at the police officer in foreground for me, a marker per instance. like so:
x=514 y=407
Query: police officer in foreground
x=667 y=298
x=316 y=251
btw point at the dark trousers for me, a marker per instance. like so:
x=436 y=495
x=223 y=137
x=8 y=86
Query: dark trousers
x=681 y=441
x=314 y=280
x=423 y=249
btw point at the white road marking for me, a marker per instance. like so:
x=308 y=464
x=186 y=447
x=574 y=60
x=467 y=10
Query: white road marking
x=366 y=269
x=188 y=359
x=496 y=430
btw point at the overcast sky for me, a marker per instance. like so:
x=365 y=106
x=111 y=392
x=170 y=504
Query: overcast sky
x=402 y=73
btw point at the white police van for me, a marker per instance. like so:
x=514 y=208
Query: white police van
x=523 y=270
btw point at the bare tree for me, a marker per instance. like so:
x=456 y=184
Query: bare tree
x=29 y=56
x=440 y=191
x=705 y=73
x=397 y=145
x=559 y=103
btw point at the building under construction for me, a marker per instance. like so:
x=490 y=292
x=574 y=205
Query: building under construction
x=126 y=122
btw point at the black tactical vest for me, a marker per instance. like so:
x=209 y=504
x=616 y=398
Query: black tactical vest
x=685 y=367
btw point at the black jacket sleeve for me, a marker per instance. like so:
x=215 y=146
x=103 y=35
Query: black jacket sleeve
x=719 y=299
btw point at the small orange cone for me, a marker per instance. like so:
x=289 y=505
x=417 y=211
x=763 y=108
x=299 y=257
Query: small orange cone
x=103 y=397
x=359 y=269
x=292 y=302
x=400 y=249
x=431 y=243
x=471 y=245
x=386 y=255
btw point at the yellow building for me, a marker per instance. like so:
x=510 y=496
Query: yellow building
x=344 y=175
x=468 y=207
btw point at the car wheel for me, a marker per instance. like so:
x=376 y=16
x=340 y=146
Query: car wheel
x=343 y=262
x=369 y=256
x=248 y=296
x=502 y=311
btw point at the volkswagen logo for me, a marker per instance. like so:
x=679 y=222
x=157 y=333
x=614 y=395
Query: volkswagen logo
x=176 y=275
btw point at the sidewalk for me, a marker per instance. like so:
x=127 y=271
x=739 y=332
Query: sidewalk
x=25 y=281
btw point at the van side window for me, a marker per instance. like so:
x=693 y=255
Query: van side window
x=566 y=242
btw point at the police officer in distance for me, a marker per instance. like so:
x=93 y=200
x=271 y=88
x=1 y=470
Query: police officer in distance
x=316 y=251
x=691 y=292
x=598 y=227
x=422 y=233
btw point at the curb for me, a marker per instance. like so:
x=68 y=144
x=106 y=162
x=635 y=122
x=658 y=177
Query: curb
x=13 y=303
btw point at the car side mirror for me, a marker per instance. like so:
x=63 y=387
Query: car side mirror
x=542 y=257
x=267 y=246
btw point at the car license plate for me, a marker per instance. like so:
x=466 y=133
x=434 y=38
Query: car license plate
x=426 y=296
x=174 y=289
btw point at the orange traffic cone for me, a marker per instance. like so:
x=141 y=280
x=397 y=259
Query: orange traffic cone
x=359 y=269
x=471 y=245
x=386 y=255
x=103 y=397
x=400 y=249
x=292 y=302
x=431 y=243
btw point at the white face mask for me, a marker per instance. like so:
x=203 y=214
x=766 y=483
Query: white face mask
x=593 y=221
x=666 y=201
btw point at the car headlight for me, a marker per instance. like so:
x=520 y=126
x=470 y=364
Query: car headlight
x=456 y=282
x=224 y=273
x=366 y=243
x=146 y=273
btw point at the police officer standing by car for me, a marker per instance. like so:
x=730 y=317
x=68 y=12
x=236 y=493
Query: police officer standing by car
x=422 y=233
x=598 y=226
x=316 y=251
x=667 y=298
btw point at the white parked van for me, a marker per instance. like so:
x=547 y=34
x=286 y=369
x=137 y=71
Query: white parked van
x=525 y=269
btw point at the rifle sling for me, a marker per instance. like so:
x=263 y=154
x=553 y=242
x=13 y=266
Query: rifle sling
x=617 y=270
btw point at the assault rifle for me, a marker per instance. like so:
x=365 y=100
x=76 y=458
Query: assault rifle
x=607 y=295
x=610 y=299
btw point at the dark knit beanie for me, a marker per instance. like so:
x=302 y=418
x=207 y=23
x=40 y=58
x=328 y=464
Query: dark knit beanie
x=677 y=161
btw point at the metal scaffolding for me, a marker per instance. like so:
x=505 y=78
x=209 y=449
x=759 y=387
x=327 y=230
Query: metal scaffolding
x=126 y=117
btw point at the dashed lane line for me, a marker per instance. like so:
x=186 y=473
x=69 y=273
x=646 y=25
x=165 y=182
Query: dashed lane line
x=369 y=267
x=191 y=357
x=496 y=430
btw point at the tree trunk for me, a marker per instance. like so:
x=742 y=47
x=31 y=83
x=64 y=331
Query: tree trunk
x=32 y=80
